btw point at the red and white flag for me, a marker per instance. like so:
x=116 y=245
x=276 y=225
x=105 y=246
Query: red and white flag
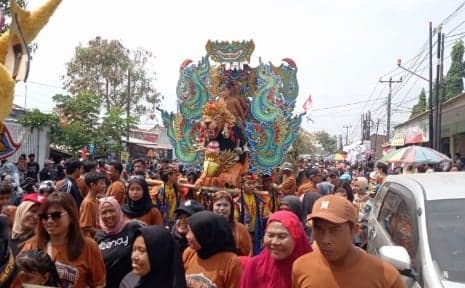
x=307 y=103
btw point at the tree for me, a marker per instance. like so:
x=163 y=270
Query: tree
x=454 y=81
x=329 y=143
x=303 y=145
x=105 y=68
x=112 y=130
x=78 y=118
x=420 y=107
x=5 y=8
x=37 y=120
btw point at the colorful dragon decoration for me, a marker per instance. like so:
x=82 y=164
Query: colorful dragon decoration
x=14 y=60
x=269 y=127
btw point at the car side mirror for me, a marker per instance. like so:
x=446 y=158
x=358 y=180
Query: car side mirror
x=398 y=257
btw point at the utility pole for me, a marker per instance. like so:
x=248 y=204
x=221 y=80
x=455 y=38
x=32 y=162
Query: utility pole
x=439 y=72
x=347 y=132
x=128 y=107
x=376 y=137
x=443 y=92
x=430 y=80
x=388 y=124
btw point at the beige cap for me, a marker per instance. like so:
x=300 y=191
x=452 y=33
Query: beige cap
x=286 y=166
x=333 y=208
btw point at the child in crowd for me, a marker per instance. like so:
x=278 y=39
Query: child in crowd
x=88 y=219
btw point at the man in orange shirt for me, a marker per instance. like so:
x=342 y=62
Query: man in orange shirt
x=311 y=177
x=288 y=186
x=336 y=262
x=117 y=187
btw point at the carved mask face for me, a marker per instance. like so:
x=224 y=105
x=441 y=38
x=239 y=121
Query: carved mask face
x=213 y=125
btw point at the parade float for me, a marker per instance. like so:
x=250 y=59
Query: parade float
x=233 y=118
x=236 y=123
x=15 y=60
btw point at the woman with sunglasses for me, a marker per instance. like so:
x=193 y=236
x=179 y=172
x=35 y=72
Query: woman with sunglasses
x=77 y=258
x=115 y=240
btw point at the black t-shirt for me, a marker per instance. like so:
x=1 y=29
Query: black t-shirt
x=32 y=170
x=116 y=251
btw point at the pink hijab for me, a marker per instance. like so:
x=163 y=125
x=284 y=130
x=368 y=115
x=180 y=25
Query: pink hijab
x=263 y=271
x=120 y=218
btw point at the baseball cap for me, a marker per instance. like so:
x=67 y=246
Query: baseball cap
x=335 y=209
x=34 y=197
x=346 y=177
x=189 y=207
x=286 y=166
x=47 y=185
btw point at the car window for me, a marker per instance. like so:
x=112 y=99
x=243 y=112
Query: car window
x=399 y=222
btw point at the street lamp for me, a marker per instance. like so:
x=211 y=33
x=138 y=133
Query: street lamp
x=399 y=64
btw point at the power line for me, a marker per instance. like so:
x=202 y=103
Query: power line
x=345 y=105
x=44 y=84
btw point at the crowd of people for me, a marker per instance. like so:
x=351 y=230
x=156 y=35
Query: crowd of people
x=148 y=225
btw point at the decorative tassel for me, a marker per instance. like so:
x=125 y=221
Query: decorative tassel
x=225 y=132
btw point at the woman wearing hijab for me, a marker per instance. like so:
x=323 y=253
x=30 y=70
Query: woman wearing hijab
x=210 y=260
x=138 y=204
x=26 y=220
x=284 y=242
x=115 y=240
x=155 y=260
x=293 y=204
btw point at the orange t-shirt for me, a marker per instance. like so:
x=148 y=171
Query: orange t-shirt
x=312 y=270
x=117 y=189
x=306 y=187
x=88 y=215
x=153 y=217
x=289 y=186
x=81 y=183
x=88 y=270
x=242 y=239
x=222 y=270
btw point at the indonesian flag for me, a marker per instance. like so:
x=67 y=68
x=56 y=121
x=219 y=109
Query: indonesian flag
x=307 y=103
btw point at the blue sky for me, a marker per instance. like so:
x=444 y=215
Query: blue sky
x=341 y=47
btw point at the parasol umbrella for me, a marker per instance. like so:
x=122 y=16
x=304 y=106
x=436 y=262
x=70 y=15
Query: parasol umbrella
x=339 y=157
x=415 y=155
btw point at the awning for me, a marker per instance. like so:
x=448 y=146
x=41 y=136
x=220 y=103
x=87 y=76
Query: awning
x=144 y=143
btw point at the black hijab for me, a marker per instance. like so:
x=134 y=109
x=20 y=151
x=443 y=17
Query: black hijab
x=7 y=262
x=166 y=267
x=295 y=206
x=134 y=209
x=213 y=233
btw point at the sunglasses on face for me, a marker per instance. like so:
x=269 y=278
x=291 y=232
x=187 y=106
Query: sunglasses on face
x=54 y=215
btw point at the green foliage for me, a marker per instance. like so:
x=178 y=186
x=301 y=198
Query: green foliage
x=420 y=107
x=78 y=117
x=5 y=7
x=114 y=126
x=454 y=77
x=106 y=67
x=303 y=145
x=328 y=142
x=37 y=120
